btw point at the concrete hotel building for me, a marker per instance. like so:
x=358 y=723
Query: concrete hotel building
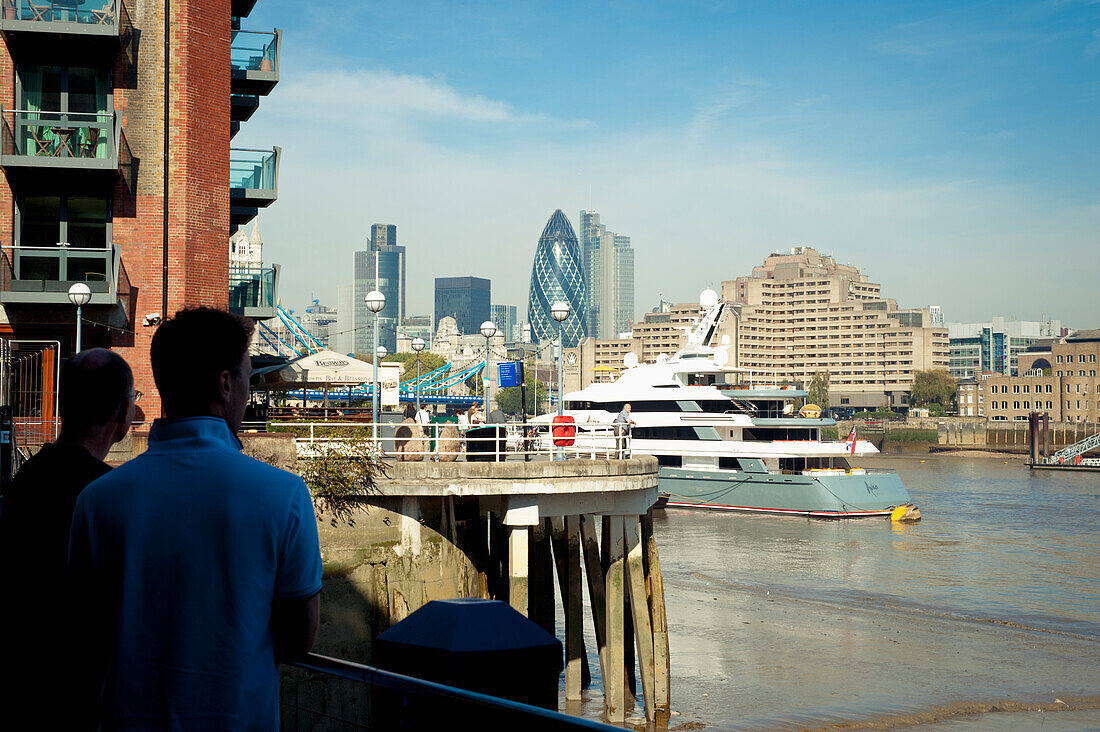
x=118 y=172
x=803 y=313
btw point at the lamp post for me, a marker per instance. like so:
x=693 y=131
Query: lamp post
x=559 y=311
x=488 y=329
x=418 y=346
x=79 y=295
x=375 y=301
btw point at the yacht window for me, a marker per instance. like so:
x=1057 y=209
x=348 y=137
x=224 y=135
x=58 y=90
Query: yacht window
x=687 y=406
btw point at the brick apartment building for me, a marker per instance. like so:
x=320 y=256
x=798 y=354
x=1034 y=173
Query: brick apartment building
x=1063 y=382
x=94 y=191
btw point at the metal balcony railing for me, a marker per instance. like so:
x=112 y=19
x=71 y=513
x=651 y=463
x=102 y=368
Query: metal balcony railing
x=39 y=138
x=62 y=16
x=44 y=274
x=252 y=291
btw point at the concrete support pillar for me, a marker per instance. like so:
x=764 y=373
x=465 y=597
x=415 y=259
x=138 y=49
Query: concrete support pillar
x=518 y=568
x=614 y=687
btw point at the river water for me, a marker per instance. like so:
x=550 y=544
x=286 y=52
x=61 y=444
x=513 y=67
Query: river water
x=994 y=598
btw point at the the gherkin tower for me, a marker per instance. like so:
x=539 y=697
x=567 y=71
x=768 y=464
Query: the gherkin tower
x=558 y=275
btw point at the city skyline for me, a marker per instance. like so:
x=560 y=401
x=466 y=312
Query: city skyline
x=961 y=137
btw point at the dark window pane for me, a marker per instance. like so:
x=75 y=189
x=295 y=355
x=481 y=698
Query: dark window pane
x=87 y=269
x=38 y=268
x=87 y=222
x=87 y=90
x=41 y=221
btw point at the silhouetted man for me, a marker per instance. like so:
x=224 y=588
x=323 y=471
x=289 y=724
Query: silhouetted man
x=96 y=399
x=200 y=566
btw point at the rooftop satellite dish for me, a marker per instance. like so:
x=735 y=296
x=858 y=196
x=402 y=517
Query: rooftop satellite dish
x=630 y=360
x=721 y=357
x=708 y=298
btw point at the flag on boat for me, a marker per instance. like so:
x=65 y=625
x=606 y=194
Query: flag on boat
x=852 y=438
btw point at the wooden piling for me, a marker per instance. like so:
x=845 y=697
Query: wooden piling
x=661 y=686
x=639 y=606
x=596 y=595
x=567 y=556
x=614 y=689
x=541 y=588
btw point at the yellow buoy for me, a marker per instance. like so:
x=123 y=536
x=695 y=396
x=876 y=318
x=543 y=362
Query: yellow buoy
x=908 y=512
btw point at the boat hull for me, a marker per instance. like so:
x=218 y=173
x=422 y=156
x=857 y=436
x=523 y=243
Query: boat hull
x=820 y=496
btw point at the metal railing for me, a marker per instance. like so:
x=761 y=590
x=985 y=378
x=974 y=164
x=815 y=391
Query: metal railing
x=66 y=135
x=254 y=51
x=84 y=12
x=331 y=694
x=251 y=287
x=253 y=170
x=479 y=443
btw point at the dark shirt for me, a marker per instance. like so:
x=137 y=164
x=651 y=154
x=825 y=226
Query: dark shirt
x=34 y=543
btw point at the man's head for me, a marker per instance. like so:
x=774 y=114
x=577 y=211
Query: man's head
x=201 y=364
x=96 y=395
x=626 y=408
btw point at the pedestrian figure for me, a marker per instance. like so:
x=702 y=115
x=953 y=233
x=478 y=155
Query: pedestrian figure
x=96 y=399
x=197 y=567
x=623 y=423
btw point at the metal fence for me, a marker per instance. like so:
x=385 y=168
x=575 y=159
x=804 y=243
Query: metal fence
x=481 y=443
x=29 y=374
x=323 y=694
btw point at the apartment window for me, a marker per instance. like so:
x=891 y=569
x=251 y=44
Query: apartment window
x=1050 y=405
x=1092 y=358
x=1027 y=388
x=1015 y=388
x=1078 y=388
x=1081 y=372
x=1081 y=358
x=1027 y=405
x=1078 y=403
x=1015 y=405
x=1049 y=388
x=1059 y=358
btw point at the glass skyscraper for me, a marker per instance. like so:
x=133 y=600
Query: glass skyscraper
x=466 y=299
x=609 y=277
x=381 y=267
x=505 y=318
x=558 y=274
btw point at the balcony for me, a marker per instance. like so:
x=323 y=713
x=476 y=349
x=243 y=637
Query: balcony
x=71 y=20
x=241 y=8
x=253 y=182
x=254 y=62
x=252 y=291
x=43 y=275
x=70 y=141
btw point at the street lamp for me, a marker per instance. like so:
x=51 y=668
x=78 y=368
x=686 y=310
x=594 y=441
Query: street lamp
x=488 y=329
x=79 y=295
x=559 y=311
x=418 y=346
x=375 y=301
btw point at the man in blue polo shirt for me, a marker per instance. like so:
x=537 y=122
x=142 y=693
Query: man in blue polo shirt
x=198 y=567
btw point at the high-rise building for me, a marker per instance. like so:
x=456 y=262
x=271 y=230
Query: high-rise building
x=81 y=106
x=466 y=299
x=609 y=277
x=803 y=313
x=994 y=347
x=506 y=321
x=558 y=274
x=380 y=267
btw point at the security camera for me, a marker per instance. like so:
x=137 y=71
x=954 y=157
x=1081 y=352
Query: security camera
x=150 y=320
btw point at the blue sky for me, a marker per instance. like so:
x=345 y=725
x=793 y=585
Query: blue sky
x=948 y=149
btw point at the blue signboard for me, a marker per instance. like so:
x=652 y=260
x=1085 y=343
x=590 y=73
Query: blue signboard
x=509 y=373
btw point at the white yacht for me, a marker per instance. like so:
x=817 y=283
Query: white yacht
x=725 y=441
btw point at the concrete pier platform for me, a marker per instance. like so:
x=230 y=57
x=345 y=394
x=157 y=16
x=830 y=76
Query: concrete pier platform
x=503 y=531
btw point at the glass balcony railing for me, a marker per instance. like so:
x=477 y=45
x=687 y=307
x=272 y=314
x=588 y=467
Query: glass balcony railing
x=252 y=291
x=44 y=274
x=253 y=173
x=53 y=15
x=59 y=139
x=254 y=51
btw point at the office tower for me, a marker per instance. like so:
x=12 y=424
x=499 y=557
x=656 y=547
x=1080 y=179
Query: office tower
x=609 y=277
x=84 y=101
x=995 y=347
x=380 y=267
x=558 y=274
x=505 y=318
x=466 y=299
